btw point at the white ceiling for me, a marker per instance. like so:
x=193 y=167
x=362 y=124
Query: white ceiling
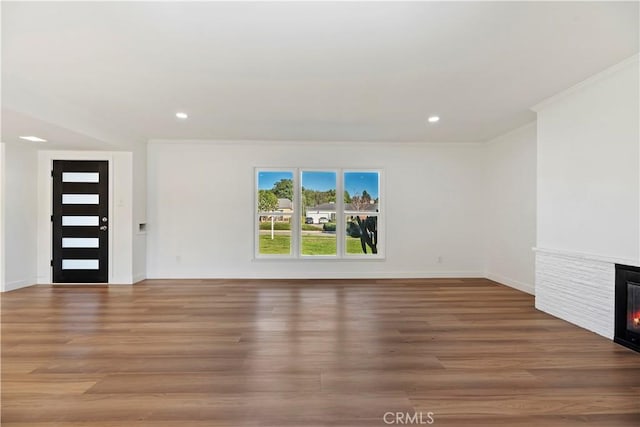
x=298 y=71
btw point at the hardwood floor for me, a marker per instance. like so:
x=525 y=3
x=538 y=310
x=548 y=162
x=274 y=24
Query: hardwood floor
x=305 y=353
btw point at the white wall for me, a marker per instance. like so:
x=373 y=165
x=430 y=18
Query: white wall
x=120 y=211
x=2 y=196
x=201 y=208
x=588 y=196
x=20 y=215
x=139 y=211
x=588 y=175
x=511 y=208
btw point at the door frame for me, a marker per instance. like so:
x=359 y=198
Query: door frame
x=45 y=196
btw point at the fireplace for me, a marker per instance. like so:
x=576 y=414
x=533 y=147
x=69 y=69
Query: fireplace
x=627 y=310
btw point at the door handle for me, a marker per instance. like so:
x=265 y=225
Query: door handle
x=103 y=227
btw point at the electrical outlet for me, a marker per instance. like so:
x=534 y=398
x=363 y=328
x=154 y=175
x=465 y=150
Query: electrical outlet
x=439 y=259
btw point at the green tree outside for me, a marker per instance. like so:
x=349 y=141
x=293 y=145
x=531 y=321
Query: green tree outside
x=283 y=189
x=347 y=197
x=267 y=201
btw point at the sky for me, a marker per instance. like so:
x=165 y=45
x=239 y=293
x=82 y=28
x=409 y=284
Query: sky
x=267 y=179
x=354 y=182
x=319 y=181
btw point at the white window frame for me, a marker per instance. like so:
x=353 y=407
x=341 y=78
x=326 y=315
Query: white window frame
x=341 y=214
x=380 y=214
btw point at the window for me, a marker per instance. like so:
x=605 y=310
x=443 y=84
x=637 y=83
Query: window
x=298 y=214
x=362 y=209
x=275 y=211
x=318 y=197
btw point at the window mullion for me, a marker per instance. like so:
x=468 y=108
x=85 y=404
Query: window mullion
x=296 y=228
x=340 y=221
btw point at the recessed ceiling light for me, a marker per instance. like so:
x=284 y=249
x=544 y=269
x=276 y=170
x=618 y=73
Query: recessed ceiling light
x=182 y=115
x=33 y=139
x=433 y=119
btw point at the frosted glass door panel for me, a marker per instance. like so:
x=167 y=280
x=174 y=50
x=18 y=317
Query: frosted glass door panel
x=80 y=199
x=80 y=264
x=80 y=242
x=80 y=177
x=80 y=221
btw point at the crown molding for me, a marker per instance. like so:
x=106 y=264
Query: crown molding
x=633 y=60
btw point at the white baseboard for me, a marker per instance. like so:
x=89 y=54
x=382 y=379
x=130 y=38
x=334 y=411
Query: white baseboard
x=120 y=280
x=332 y=275
x=17 y=284
x=516 y=284
x=139 y=278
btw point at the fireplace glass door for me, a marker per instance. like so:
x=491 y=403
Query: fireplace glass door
x=633 y=308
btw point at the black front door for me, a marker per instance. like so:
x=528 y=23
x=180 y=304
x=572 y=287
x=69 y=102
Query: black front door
x=80 y=221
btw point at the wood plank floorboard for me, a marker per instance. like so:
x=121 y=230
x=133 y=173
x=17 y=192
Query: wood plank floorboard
x=207 y=353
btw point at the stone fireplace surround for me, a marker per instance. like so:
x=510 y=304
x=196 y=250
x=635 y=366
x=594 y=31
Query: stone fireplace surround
x=578 y=288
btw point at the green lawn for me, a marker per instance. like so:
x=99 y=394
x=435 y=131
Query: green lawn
x=280 y=244
x=354 y=246
x=322 y=244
